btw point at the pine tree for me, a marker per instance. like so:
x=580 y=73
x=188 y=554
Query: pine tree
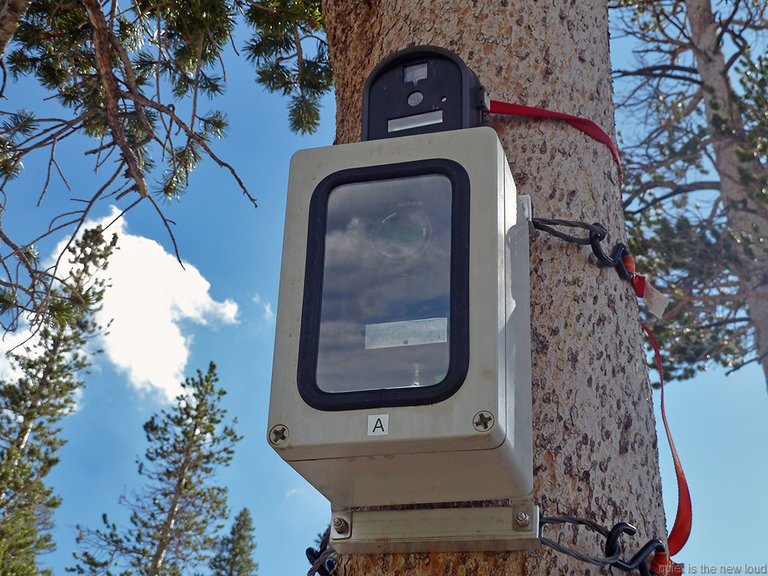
x=696 y=172
x=32 y=405
x=176 y=514
x=131 y=79
x=234 y=553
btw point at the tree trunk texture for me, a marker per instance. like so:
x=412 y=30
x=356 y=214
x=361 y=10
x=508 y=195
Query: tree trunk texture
x=594 y=443
x=747 y=218
x=11 y=15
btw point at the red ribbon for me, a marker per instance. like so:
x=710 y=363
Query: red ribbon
x=587 y=126
x=681 y=529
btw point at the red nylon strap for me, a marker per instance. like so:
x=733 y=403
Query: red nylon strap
x=587 y=126
x=663 y=566
x=638 y=282
x=677 y=538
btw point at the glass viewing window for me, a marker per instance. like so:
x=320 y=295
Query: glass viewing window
x=385 y=319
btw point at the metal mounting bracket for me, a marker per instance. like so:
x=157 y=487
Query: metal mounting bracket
x=480 y=529
x=525 y=204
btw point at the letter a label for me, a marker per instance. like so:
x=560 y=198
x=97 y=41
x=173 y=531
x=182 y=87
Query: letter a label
x=378 y=424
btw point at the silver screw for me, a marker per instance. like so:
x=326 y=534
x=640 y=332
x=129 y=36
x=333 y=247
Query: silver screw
x=340 y=525
x=522 y=519
x=279 y=434
x=483 y=421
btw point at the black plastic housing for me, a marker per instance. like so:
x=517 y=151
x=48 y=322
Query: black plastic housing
x=421 y=90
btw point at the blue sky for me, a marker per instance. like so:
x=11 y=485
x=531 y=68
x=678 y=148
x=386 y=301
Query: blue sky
x=171 y=321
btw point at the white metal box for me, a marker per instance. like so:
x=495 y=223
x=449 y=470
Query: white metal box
x=364 y=446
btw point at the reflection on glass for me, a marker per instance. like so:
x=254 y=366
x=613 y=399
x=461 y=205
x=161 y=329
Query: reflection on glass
x=385 y=318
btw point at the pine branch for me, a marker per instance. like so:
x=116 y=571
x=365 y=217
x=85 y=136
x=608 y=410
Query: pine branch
x=101 y=45
x=676 y=190
x=665 y=71
x=191 y=134
x=725 y=25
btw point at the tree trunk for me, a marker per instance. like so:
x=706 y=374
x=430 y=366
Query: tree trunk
x=11 y=15
x=166 y=533
x=595 y=452
x=747 y=219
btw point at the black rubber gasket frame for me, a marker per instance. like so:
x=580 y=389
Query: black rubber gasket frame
x=458 y=364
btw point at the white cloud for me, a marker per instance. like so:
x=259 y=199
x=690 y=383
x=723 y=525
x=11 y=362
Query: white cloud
x=269 y=314
x=16 y=341
x=148 y=301
x=291 y=492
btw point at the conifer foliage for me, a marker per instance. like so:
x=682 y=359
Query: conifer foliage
x=234 y=552
x=131 y=80
x=692 y=111
x=176 y=514
x=282 y=32
x=48 y=370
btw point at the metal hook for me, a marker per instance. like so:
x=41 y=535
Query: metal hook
x=612 y=545
x=638 y=560
x=326 y=568
x=597 y=234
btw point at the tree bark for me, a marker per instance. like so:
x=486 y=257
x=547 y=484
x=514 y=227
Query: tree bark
x=166 y=534
x=11 y=15
x=747 y=219
x=595 y=450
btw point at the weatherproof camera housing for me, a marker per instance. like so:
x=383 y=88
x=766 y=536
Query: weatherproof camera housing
x=402 y=353
x=420 y=90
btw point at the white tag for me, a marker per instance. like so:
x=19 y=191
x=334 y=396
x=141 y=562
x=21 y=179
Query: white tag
x=655 y=300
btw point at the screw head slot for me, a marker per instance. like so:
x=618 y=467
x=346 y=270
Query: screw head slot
x=278 y=434
x=483 y=421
